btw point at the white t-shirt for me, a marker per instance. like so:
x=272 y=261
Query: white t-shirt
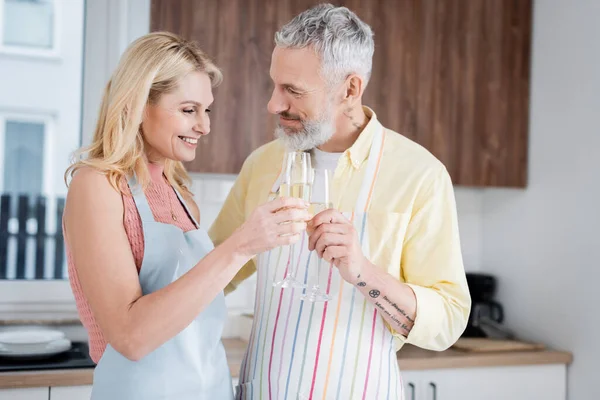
x=321 y=162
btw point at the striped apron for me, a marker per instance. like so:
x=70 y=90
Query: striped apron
x=341 y=349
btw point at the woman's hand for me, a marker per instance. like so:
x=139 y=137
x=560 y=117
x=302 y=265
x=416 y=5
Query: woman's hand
x=277 y=223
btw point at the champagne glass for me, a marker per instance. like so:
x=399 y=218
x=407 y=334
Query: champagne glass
x=320 y=200
x=296 y=183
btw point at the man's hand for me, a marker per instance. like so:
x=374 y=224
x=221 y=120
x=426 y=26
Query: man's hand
x=336 y=241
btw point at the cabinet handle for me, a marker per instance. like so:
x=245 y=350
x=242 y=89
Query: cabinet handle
x=434 y=389
x=412 y=390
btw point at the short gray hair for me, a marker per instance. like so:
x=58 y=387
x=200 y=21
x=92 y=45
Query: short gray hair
x=342 y=41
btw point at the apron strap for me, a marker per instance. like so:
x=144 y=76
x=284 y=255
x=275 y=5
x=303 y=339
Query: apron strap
x=277 y=183
x=139 y=197
x=364 y=196
x=180 y=197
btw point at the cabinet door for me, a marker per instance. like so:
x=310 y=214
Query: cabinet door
x=546 y=382
x=71 y=392
x=412 y=384
x=24 y=394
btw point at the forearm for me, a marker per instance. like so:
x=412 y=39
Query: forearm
x=395 y=300
x=157 y=317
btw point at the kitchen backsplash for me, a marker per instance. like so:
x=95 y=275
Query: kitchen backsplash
x=211 y=190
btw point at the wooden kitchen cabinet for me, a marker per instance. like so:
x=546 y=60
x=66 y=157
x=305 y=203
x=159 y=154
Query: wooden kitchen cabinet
x=546 y=382
x=24 y=394
x=453 y=75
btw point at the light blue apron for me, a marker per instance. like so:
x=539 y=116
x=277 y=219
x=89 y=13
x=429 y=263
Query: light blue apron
x=192 y=365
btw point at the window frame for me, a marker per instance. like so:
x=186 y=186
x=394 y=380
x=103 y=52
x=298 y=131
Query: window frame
x=49 y=53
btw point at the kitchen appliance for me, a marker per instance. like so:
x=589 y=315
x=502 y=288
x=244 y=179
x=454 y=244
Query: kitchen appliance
x=486 y=314
x=76 y=357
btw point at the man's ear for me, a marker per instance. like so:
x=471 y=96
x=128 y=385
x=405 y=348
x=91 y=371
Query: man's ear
x=353 y=89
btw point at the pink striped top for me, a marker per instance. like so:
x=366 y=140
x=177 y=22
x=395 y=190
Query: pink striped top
x=160 y=196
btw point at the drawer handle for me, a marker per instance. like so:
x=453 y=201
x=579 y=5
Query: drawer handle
x=412 y=390
x=434 y=389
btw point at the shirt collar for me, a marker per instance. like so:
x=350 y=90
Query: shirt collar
x=358 y=152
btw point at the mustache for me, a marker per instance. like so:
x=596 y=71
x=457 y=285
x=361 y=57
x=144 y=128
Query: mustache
x=287 y=115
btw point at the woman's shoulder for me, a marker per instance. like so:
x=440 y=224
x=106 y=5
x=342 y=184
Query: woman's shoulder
x=92 y=186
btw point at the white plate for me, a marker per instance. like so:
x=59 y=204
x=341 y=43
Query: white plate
x=40 y=350
x=29 y=336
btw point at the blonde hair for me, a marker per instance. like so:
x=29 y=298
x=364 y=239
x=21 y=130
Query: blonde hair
x=150 y=67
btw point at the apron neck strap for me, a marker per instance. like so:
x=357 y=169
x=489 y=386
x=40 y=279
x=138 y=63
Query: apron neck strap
x=189 y=213
x=139 y=197
x=366 y=190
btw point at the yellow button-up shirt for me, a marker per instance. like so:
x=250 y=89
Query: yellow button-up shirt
x=413 y=226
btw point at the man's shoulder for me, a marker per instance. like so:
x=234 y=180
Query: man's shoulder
x=409 y=155
x=267 y=152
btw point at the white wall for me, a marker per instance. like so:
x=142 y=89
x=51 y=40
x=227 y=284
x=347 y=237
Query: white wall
x=110 y=26
x=469 y=203
x=543 y=243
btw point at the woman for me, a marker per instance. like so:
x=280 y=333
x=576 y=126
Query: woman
x=147 y=280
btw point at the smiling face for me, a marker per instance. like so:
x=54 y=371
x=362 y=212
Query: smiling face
x=306 y=107
x=172 y=126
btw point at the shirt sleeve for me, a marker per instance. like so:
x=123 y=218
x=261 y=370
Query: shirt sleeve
x=432 y=266
x=231 y=217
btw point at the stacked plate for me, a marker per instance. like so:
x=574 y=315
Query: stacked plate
x=32 y=343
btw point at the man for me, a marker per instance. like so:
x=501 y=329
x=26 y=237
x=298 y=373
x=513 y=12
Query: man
x=392 y=237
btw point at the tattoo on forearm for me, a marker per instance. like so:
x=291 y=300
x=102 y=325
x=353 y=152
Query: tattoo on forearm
x=360 y=283
x=399 y=324
x=401 y=311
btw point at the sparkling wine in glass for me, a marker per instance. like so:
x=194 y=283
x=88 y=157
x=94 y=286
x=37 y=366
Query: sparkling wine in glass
x=320 y=200
x=296 y=183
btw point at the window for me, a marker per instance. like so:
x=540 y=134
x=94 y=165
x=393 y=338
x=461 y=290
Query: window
x=31 y=244
x=29 y=27
x=23 y=157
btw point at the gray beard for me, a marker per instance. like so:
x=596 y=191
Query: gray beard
x=313 y=134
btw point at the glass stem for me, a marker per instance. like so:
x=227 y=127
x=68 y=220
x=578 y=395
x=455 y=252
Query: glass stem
x=292 y=271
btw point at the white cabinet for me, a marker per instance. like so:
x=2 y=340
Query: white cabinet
x=71 y=392
x=546 y=382
x=24 y=394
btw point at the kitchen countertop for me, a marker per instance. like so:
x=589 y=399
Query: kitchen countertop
x=409 y=358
